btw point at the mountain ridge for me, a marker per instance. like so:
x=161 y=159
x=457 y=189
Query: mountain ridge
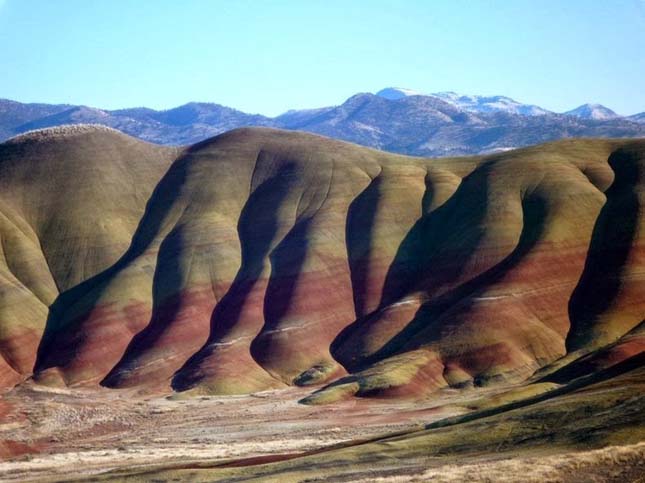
x=412 y=123
x=593 y=111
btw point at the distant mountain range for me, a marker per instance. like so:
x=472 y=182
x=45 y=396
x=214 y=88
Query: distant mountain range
x=593 y=111
x=394 y=119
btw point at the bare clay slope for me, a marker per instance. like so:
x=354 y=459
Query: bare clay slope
x=267 y=258
x=70 y=199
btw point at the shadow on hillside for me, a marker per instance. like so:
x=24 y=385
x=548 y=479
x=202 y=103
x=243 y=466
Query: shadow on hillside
x=63 y=335
x=359 y=228
x=429 y=316
x=611 y=243
x=257 y=228
x=434 y=252
x=444 y=242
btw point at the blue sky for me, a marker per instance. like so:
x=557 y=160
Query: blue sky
x=270 y=56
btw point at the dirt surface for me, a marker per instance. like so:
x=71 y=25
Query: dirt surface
x=590 y=431
x=48 y=431
x=617 y=464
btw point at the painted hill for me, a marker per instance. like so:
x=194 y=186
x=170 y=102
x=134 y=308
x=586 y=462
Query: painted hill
x=396 y=120
x=70 y=200
x=264 y=258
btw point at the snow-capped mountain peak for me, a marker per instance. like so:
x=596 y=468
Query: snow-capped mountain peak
x=596 y=112
x=395 y=93
x=490 y=104
x=467 y=102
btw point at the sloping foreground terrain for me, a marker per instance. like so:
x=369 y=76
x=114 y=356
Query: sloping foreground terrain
x=262 y=259
x=589 y=429
x=592 y=431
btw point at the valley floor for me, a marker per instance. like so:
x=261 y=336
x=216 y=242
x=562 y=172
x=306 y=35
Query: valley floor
x=593 y=433
x=56 y=433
